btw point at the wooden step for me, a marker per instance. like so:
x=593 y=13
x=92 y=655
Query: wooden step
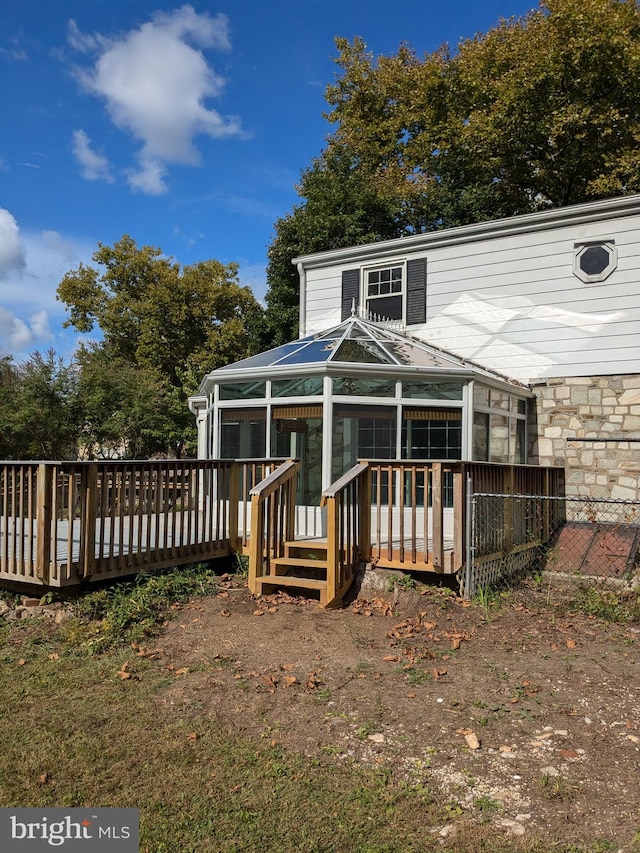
x=305 y=562
x=304 y=548
x=288 y=580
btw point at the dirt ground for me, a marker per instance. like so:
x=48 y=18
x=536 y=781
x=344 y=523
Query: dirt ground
x=518 y=716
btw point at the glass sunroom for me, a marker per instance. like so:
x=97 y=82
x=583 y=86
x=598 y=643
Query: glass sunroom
x=361 y=390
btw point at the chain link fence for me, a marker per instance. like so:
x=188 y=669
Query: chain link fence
x=570 y=541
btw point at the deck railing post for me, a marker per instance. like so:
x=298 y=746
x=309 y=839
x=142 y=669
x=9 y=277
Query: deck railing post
x=459 y=519
x=88 y=517
x=44 y=501
x=234 y=474
x=364 y=515
x=256 y=543
x=332 y=549
x=437 y=516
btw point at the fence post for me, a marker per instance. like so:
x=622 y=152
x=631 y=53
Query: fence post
x=44 y=518
x=469 y=534
x=508 y=518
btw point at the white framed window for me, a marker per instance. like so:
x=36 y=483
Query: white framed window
x=384 y=292
x=594 y=261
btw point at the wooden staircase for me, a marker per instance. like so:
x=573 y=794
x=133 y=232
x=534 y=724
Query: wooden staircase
x=303 y=566
x=278 y=559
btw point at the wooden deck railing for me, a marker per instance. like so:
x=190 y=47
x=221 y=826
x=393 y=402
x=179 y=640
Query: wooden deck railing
x=348 y=528
x=65 y=522
x=419 y=509
x=273 y=503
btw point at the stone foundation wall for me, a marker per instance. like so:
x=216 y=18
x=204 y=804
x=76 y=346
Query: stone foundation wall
x=591 y=425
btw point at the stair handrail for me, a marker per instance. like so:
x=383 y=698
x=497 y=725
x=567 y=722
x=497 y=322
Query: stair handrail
x=273 y=501
x=273 y=480
x=348 y=527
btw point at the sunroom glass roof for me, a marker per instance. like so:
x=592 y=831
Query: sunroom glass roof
x=354 y=341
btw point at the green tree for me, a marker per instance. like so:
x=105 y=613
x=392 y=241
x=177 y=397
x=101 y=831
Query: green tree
x=165 y=324
x=39 y=413
x=541 y=111
x=342 y=208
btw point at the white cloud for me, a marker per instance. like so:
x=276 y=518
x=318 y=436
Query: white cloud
x=18 y=337
x=32 y=265
x=12 y=254
x=95 y=167
x=155 y=82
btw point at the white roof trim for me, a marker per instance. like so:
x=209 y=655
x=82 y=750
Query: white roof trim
x=577 y=214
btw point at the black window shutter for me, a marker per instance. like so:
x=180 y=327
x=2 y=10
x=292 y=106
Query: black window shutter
x=416 y=291
x=350 y=291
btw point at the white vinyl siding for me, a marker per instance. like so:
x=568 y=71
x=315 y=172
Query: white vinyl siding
x=513 y=304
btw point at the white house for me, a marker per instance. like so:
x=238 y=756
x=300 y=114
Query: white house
x=515 y=340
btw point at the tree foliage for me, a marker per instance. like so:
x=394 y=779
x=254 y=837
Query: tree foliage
x=541 y=111
x=342 y=208
x=39 y=411
x=163 y=328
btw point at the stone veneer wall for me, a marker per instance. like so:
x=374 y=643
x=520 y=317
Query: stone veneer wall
x=569 y=424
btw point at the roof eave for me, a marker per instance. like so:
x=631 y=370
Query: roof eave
x=578 y=214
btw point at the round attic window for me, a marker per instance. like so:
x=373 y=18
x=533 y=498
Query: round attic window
x=594 y=262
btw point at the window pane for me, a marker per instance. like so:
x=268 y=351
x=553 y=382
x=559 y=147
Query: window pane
x=389 y=308
x=432 y=439
x=362 y=432
x=242 y=390
x=480 y=395
x=432 y=390
x=353 y=387
x=243 y=439
x=299 y=387
x=499 y=438
x=517 y=449
x=499 y=400
x=480 y=437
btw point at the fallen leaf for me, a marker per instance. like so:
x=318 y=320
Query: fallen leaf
x=122 y=672
x=21 y=662
x=390 y=658
x=569 y=753
x=193 y=736
x=258 y=612
x=225 y=613
x=54 y=656
x=571 y=644
x=290 y=679
x=44 y=778
x=182 y=671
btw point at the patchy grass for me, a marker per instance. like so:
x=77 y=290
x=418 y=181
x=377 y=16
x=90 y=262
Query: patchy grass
x=131 y=611
x=83 y=729
x=606 y=604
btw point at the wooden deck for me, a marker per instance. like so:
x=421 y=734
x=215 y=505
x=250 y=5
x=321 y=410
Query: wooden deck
x=64 y=523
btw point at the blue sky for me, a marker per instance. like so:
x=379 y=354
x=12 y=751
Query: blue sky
x=184 y=126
